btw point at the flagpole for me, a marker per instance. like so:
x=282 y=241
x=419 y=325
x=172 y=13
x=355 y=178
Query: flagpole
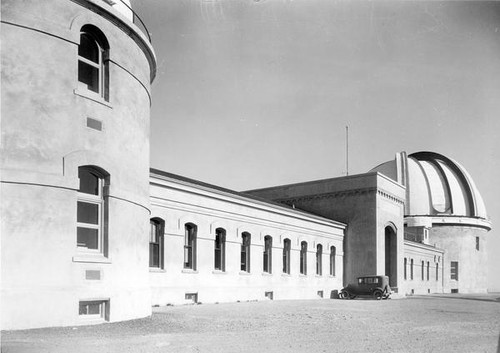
x=347 y=150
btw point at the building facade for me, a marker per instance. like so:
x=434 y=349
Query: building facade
x=90 y=233
x=217 y=245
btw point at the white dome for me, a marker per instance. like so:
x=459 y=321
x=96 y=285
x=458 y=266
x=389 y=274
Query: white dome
x=435 y=185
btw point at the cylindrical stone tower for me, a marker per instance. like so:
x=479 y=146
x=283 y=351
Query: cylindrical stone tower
x=76 y=99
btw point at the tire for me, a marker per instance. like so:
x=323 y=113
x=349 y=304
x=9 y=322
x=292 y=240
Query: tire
x=378 y=295
x=344 y=295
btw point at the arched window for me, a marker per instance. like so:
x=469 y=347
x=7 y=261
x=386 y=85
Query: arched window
x=411 y=269
x=190 y=246
x=404 y=268
x=437 y=271
x=91 y=211
x=319 y=260
x=422 y=270
x=267 y=255
x=220 y=250
x=428 y=265
x=286 y=256
x=245 y=252
x=333 y=254
x=303 y=258
x=156 y=243
x=93 y=55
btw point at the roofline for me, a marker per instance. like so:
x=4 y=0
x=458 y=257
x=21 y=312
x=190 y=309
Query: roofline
x=156 y=173
x=354 y=176
x=456 y=220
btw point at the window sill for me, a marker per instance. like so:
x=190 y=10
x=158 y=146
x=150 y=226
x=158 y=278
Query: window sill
x=286 y=275
x=302 y=275
x=219 y=272
x=157 y=270
x=92 y=96
x=187 y=270
x=91 y=320
x=266 y=274
x=245 y=273
x=92 y=258
x=319 y=276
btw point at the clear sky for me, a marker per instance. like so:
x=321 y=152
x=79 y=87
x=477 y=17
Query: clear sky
x=255 y=93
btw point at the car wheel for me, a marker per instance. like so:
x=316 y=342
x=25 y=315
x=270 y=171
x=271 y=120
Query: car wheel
x=377 y=294
x=344 y=295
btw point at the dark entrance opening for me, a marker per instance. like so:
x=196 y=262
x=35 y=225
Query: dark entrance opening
x=391 y=256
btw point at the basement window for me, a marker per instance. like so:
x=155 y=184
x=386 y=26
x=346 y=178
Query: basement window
x=94 y=309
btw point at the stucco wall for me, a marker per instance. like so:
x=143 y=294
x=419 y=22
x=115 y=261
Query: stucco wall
x=418 y=284
x=45 y=139
x=178 y=204
x=366 y=202
x=460 y=245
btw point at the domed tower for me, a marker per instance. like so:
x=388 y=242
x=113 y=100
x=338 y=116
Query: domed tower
x=443 y=208
x=75 y=206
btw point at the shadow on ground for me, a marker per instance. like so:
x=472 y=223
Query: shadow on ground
x=491 y=297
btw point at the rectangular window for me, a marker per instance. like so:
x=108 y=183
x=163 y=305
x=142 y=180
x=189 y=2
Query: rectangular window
x=156 y=244
x=286 y=256
x=454 y=270
x=411 y=269
x=193 y=297
x=90 y=211
x=190 y=246
x=319 y=260
x=428 y=265
x=267 y=255
x=333 y=253
x=303 y=258
x=245 y=252
x=477 y=243
x=404 y=268
x=94 y=309
x=422 y=270
x=220 y=249
x=437 y=271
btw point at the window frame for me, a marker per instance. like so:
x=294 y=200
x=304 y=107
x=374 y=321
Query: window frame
x=287 y=245
x=319 y=260
x=101 y=201
x=454 y=270
x=160 y=236
x=97 y=38
x=333 y=258
x=190 y=242
x=220 y=250
x=246 y=241
x=303 y=258
x=267 y=255
x=102 y=315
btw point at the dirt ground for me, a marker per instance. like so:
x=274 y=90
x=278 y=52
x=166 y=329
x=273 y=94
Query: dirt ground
x=414 y=324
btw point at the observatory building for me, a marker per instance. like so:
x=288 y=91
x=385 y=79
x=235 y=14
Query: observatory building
x=91 y=234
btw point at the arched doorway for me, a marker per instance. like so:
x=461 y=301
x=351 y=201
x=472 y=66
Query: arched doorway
x=391 y=255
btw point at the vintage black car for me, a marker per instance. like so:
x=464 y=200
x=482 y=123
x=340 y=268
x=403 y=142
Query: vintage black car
x=374 y=286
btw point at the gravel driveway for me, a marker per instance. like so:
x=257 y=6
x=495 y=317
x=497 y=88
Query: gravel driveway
x=414 y=324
